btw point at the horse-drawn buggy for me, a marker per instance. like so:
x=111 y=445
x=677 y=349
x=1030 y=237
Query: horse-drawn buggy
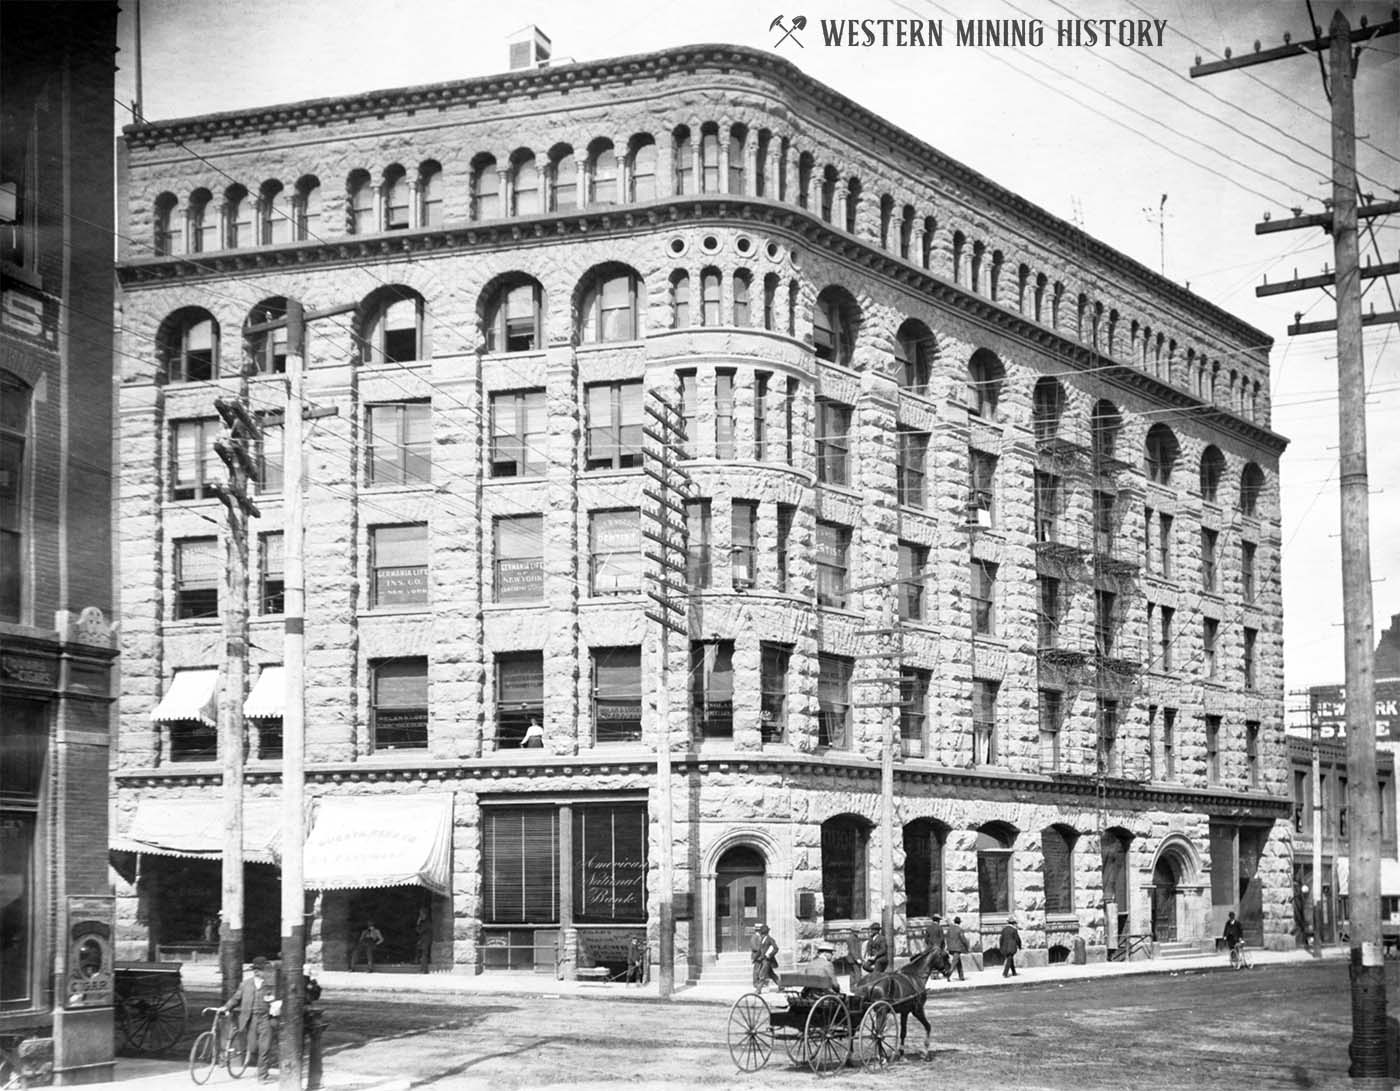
x=826 y=1030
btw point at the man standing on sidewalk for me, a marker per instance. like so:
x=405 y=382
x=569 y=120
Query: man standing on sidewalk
x=1009 y=944
x=253 y=1001
x=957 y=947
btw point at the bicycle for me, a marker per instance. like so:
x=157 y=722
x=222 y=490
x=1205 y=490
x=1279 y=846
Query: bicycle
x=221 y=1043
x=1239 y=957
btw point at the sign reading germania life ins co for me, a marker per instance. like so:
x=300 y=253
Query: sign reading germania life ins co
x=1329 y=709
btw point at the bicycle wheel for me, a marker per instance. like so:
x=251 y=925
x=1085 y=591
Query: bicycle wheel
x=203 y=1057
x=237 y=1056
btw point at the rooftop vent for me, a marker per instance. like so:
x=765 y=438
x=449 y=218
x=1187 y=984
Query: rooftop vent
x=529 y=48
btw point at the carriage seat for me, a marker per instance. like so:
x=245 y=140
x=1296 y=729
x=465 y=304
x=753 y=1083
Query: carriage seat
x=809 y=984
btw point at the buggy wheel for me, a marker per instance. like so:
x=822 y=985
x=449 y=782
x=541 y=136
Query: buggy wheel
x=828 y=1034
x=750 y=1032
x=877 y=1037
x=797 y=1046
x=237 y=1057
x=162 y=1016
x=204 y=1055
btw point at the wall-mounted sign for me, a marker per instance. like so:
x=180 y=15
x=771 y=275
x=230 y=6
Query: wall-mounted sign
x=88 y=978
x=1328 y=705
x=28 y=314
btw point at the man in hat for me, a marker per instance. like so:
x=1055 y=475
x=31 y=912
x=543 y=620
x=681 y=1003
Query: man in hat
x=1009 y=944
x=253 y=1001
x=877 y=951
x=957 y=947
x=822 y=967
x=935 y=935
x=764 y=950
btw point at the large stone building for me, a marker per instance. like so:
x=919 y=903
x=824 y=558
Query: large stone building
x=56 y=641
x=965 y=479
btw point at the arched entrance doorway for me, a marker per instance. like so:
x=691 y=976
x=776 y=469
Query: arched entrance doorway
x=1165 y=897
x=739 y=898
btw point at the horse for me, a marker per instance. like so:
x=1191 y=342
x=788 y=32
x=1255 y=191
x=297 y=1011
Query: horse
x=905 y=989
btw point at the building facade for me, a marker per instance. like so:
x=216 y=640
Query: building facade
x=56 y=640
x=967 y=483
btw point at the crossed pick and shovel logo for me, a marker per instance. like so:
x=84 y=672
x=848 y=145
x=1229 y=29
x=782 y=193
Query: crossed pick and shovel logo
x=799 y=22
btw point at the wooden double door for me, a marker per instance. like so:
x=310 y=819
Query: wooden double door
x=740 y=901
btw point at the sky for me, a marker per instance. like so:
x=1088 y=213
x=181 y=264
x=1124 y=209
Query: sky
x=1095 y=135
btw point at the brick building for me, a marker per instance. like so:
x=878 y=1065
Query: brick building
x=966 y=479
x=56 y=643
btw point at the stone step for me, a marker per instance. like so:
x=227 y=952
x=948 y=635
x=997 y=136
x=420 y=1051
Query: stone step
x=1178 y=950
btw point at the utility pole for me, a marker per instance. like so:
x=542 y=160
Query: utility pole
x=1317 y=838
x=1368 y=1000
x=666 y=529
x=236 y=447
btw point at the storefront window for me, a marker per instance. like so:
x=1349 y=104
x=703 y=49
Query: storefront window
x=610 y=863
x=23 y=748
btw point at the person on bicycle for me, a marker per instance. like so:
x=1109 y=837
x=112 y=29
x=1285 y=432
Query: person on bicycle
x=1234 y=936
x=253 y=1002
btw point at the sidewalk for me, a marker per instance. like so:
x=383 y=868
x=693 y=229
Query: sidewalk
x=140 y=1072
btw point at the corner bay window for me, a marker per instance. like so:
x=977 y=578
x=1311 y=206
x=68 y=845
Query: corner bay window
x=617 y=695
x=518 y=433
x=772 y=684
x=712 y=687
x=519 y=552
x=519 y=696
x=615 y=552
x=697 y=539
x=399 y=712
x=614 y=425
x=834 y=701
x=400 y=443
x=743 y=558
x=833 y=561
x=833 y=443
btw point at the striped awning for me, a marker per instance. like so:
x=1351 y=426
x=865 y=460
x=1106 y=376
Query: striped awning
x=195 y=828
x=359 y=842
x=191 y=695
x=269 y=695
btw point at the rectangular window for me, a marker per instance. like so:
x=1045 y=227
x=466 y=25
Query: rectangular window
x=271 y=574
x=910 y=468
x=1051 y=716
x=984 y=594
x=913 y=710
x=199 y=567
x=1248 y=553
x=1109 y=762
x=614 y=425
x=743 y=562
x=712 y=688
x=1209 y=540
x=519 y=553
x=271 y=460
x=1169 y=743
x=1251 y=753
x=518 y=433
x=1164 y=545
x=833 y=442
x=913 y=559
x=1047 y=507
x=786 y=512
x=399 y=714
x=617 y=695
x=1212 y=749
x=194 y=467
x=724 y=414
x=981 y=485
x=1048 y=618
x=399 y=562
x=1164 y=642
x=1210 y=633
x=698 y=569
x=1059 y=871
x=519 y=696
x=790 y=421
x=834 y=701
x=1251 y=674
x=690 y=413
x=1103 y=523
x=400 y=443
x=772 y=685
x=760 y=415
x=984 y=722
x=610 y=863
x=833 y=560
x=520 y=865
x=615 y=552
x=24 y=746
x=1105 y=622
x=1148 y=559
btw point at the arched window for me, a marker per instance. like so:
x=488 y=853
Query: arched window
x=188 y=346
x=959 y=246
x=608 y=311
x=277 y=222
x=514 y=316
x=167 y=223
x=306 y=208
x=978 y=249
x=430 y=194
x=1111 y=341
x=682 y=161
x=602 y=173
x=793 y=292
x=238 y=218
x=204 y=222
x=886 y=220
x=710 y=298
x=642 y=176
x=828 y=193
x=1047 y=407
x=852 y=204
x=485 y=188
x=1023 y=279
x=930 y=229
x=1212 y=470
x=845 y=843
x=742 y=282
x=1114 y=845
x=1057 y=295
x=1251 y=489
x=994 y=893
x=398 y=199
x=361 y=204
x=994 y=275
x=14 y=433
x=736 y=159
x=913 y=356
x=906 y=232
x=805 y=165
x=524 y=184
x=1057 y=849
x=268 y=349
x=392 y=327
x=1105 y=424
x=985 y=374
x=680 y=300
x=770 y=302
x=1040 y=283
x=561 y=179
x=709 y=158
x=1160 y=451
x=763 y=180
x=835 y=319
x=924 y=841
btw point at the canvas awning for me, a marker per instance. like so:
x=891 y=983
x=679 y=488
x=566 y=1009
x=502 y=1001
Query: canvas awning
x=195 y=828
x=358 y=842
x=268 y=696
x=192 y=695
